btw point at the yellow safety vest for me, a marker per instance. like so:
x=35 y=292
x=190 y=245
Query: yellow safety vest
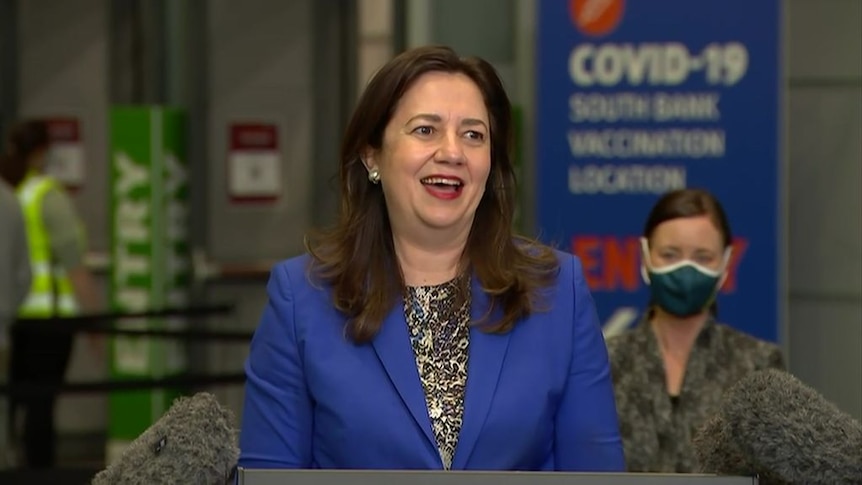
x=51 y=292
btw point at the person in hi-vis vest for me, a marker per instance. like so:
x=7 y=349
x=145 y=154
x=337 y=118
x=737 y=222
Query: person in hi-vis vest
x=61 y=287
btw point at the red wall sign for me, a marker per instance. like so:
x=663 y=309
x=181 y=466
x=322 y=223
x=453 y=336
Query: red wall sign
x=253 y=163
x=66 y=153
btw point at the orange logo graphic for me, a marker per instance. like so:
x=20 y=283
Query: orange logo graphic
x=596 y=17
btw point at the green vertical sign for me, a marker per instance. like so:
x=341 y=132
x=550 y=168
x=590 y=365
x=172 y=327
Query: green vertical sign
x=151 y=259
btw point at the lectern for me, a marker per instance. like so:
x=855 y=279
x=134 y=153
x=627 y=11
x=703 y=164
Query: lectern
x=402 y=477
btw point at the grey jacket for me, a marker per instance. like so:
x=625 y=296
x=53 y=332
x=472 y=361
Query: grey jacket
x=657 y=430
x=15 y=274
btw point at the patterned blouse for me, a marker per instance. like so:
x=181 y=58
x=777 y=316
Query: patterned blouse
x=657 y=428
x=440 y=335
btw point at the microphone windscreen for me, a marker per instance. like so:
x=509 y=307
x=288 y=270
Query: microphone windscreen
x=194 y=442
x=772 y=425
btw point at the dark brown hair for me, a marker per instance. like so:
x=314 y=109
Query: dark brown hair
x=689 y=203
x=24 y=139
x=357 y=256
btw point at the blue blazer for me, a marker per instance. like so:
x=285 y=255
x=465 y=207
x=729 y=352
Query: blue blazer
x=537 y=398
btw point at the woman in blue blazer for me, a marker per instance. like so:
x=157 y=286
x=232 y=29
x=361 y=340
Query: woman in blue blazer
x=420 y=332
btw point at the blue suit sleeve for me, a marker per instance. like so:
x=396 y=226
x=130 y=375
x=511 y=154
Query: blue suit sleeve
x=587 y=432
x=277 y=422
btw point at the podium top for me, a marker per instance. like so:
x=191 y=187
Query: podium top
x=439 y=477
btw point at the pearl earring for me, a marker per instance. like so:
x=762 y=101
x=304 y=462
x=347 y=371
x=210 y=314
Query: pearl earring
x=374 y=176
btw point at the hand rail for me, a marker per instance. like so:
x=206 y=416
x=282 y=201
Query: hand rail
x=204 y=270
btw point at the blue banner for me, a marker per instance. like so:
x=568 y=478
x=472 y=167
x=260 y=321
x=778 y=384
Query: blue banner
x=636 y=98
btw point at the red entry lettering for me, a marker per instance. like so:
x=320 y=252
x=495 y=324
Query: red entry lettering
x=588 y=249
x=610 y=263
x=740 y=245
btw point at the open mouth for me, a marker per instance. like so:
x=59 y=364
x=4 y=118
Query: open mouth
x=443 y=182
x=443 y=187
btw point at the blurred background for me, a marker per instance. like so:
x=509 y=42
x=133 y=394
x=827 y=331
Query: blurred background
x=258 y=92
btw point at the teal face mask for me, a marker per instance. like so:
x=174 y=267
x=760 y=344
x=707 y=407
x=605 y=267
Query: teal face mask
x=685 y=288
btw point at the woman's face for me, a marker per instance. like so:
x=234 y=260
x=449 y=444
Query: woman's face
x=436 y=154
x=695 y=239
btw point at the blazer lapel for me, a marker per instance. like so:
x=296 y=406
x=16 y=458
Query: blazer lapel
x=655 y=372
x=654 y=392
x=393 y=348
x=696 y=375
x=486 y=354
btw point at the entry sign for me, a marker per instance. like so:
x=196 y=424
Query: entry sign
x=151 y=261
x=254 y=163
x=636 y=98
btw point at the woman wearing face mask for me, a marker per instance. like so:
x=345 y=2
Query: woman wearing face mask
x=670 y=371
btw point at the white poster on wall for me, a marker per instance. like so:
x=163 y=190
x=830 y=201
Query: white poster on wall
x=254 y=163
x=65 y=157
